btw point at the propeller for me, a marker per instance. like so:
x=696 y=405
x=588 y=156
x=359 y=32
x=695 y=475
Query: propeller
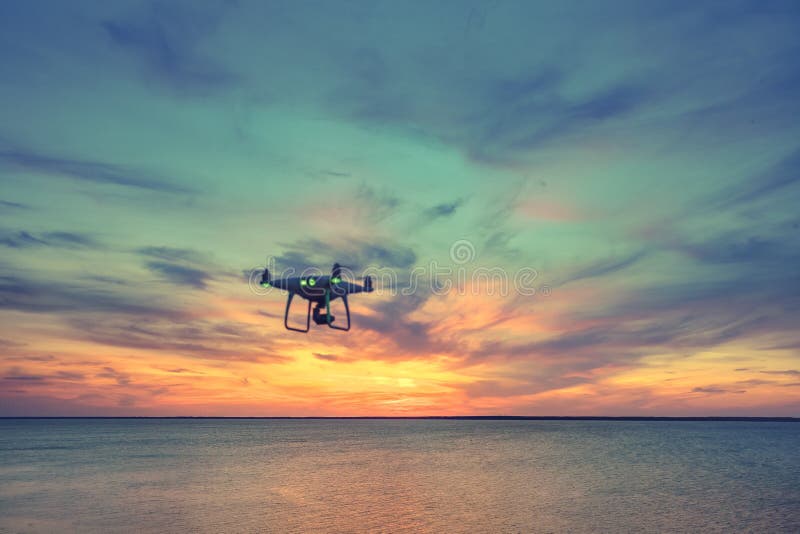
x=336 y=272
x=266 y=279
x=336 y=276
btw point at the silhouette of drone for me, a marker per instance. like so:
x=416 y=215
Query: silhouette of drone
x=320 y=290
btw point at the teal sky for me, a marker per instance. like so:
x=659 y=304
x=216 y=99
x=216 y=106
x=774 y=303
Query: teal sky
x=642 y=157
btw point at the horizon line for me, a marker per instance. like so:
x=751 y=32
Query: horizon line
x=789 y=419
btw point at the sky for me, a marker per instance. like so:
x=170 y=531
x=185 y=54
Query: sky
x=570 y=208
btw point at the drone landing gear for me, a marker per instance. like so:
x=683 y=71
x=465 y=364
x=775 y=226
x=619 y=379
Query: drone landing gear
x=286 y=316
x=331 y=318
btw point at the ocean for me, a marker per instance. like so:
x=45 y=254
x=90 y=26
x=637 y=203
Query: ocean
x=397 y=475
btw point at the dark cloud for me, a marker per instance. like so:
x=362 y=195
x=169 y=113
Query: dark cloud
x=735 y=248
x=785 y=173
x=753 y=382
x=270 y=315
x=501 y=114
x=84 y=170
x=391 y=319
x=374 y=204
x=494 y=120
x=69 y=375
x=533 y=124
x=791 y=345
x=720 y=301
x=70 y=239
x=126 y=400
x=366 y=92
x=385 y=255
x=326 y=357
x=603 y=268
x=123 y=379
x=24 y=377
x=185 y=267
x=172 y=254
x=612 y=102
x=6 y=205
x=714 y=390
x=412 y=336
x=788 y=372
x=673 y=317
x=191 y=337
x=17 y=373
x=30 y=358
x=180 y=275
x=23 y=239
x=20 y=239
x=105 y=279
x=168 y=42
x=356 y=254
x=495 y=388
x=621 y=341
x=443 y=210
x=523 y=88
x=337 y=174
x=58 y=296
x=27 y=405
x=756 y=270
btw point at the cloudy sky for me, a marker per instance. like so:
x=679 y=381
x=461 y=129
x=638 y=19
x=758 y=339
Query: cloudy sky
x=637 y=161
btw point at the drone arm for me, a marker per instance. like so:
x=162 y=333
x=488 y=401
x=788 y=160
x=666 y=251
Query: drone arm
x=349 y=288
x=280 y=284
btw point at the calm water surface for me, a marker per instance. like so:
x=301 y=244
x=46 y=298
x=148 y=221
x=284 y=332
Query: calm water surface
x=101 y=475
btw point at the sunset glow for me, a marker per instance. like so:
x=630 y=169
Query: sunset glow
x=626 y=208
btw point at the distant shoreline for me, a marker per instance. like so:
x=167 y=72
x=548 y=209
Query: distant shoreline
x=447 y=417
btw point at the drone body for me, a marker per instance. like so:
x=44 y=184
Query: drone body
x=319 y=290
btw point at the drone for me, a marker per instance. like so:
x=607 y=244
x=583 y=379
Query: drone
x=319 y=290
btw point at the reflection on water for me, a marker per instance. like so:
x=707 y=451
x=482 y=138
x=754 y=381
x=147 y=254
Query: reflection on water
x=398 y=475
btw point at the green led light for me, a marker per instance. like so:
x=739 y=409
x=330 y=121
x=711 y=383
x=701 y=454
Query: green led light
x=336 y=280
x=265 y=284
x=312 y=282
x=302 y=282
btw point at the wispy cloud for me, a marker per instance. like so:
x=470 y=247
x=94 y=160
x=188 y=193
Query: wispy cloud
x=715 y=390
x=324 y=356
x=180 y=275
x=123 y=379
x=446 y=209
x=23 y=239
x=376 y=204
x=787 y=372
x=603 y=268
x=85 y=170
x=782 y=175
x=196 y=338
x=34 y=296
x=173 y=254
x=358 y=254
x=168 y=41
x=19 y=374
x=7 y=205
